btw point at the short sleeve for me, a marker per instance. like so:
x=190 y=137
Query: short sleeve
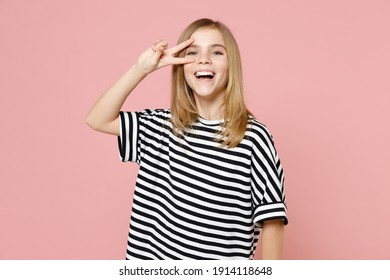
x=267 y=179
x=128 y=139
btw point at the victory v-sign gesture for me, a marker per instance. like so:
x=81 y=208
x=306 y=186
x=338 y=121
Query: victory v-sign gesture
x=104 y=115
x=159 y=56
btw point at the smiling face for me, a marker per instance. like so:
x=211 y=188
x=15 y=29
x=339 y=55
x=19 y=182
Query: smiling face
x=208 y=75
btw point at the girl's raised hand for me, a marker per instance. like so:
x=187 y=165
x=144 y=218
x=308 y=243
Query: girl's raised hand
x=159 y=56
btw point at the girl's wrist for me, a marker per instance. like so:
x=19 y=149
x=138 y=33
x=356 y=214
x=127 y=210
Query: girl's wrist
x=138 y=71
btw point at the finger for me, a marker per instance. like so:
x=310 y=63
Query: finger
x=159 y=44
x=181 y=46
x=156 y=56
x=181 y=60
x=158 y=51
x=155 y=44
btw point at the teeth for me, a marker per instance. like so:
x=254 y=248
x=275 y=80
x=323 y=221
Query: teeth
x=204 y=73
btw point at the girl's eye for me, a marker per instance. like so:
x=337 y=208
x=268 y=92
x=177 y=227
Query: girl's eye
x=217 y=53
x=191 y=53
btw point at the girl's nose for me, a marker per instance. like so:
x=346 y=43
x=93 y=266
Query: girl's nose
x=204 y=59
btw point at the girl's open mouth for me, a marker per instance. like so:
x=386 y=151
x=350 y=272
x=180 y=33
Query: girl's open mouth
x=204 y=75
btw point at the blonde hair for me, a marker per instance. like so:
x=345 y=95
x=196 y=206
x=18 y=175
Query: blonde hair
x=183 y=107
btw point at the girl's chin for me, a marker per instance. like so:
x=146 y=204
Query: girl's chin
x=204 y=93
x=207 y=94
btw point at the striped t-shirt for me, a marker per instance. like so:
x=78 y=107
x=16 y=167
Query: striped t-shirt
x=194 y=199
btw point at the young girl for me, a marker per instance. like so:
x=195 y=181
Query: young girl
x=210 y=178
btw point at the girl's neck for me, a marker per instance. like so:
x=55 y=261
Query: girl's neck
x=210 y=109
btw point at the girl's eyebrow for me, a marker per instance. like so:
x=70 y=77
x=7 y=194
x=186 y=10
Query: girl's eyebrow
x=213 y=46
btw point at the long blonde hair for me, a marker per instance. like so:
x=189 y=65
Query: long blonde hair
x=183 y=106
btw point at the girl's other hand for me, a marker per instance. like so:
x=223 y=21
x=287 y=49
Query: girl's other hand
x=159 y=56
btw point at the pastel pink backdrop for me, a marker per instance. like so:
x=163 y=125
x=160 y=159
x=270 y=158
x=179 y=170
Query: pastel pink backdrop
x=316 y=73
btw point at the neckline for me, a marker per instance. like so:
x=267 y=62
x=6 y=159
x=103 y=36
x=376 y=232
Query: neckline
x=210 y=122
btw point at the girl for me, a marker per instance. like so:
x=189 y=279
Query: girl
x=210 y=178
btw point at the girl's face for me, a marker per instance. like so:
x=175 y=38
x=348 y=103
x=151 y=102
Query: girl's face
x=208 y=75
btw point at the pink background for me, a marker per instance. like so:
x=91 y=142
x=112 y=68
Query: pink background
x=317 y=73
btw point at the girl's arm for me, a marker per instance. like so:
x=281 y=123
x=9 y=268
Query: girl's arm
x=104 y=114
x=272 y=240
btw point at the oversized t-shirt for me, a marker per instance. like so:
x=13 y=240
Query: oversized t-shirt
x=194 y=199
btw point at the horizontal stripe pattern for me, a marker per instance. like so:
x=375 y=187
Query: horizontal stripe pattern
x=194 y=199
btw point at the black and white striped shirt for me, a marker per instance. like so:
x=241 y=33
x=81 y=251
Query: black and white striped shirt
x=194 y=199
